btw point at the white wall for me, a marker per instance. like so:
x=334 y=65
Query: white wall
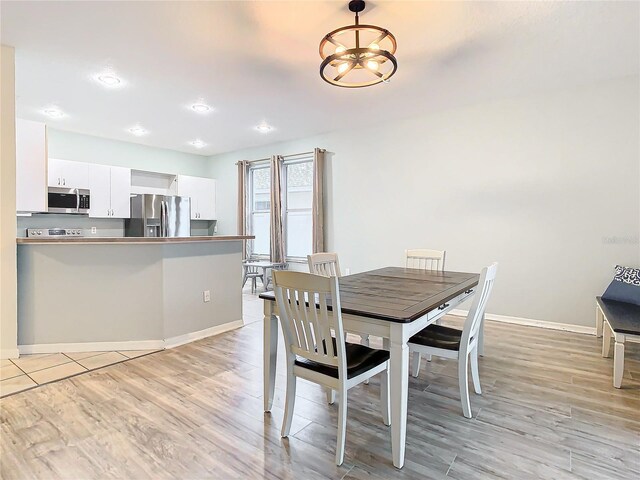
x=8 y=306
x=548 y=185
x=87 y=148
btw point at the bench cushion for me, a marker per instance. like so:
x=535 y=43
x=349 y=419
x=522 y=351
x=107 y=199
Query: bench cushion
x=625 y=286
x=623 y=317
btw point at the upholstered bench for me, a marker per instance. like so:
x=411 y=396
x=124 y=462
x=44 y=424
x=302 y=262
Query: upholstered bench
x=622 y=321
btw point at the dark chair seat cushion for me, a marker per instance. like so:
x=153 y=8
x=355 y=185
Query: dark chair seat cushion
x=359 y=360
x=623 y=317
x=438 y=336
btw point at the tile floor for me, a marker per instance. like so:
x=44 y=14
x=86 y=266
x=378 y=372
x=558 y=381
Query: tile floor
x=29 y=371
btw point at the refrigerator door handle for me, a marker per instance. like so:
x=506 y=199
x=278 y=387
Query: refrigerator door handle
x=165 y=219
x=162 y=219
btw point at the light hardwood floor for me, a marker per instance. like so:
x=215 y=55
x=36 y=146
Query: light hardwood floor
x=548 y=410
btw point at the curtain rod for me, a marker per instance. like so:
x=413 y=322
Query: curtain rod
x=284 y=156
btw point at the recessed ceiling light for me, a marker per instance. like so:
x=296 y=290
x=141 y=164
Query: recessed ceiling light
x=264 y=128
x=200 y=108
x=53 y=112
x=109 y=80
x=138 y=131
x=198 y=143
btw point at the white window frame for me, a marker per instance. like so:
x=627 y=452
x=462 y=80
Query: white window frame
x=250 y=204
x=251 y=211
x=308 y=159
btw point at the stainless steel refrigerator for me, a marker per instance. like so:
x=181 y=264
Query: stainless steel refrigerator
x=159 y=216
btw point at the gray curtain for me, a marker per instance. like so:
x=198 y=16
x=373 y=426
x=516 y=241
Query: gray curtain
x=243 y=171
x=277 y=227
x=317 y=211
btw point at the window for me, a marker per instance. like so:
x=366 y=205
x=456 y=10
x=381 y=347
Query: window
x=297 y=193
x=259 y=209
x=297 y=205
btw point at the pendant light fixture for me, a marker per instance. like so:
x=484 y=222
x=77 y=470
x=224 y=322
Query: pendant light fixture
x=358 y=55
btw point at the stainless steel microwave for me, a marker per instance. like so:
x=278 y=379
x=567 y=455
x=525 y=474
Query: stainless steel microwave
x=68 y=200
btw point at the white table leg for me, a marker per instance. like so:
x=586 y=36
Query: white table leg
x=606 y=341
x=399 y=363
x=618 y=364
x=270 y=354
x=599 y=322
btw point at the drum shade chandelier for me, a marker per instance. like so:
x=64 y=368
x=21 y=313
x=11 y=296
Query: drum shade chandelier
x=358 y=55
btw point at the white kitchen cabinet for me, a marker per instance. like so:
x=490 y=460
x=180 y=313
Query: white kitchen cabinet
x=110 y=191
x=203 y=196
x=121 y=192
x=207 y=199
x=65 y=173
x=31 y=166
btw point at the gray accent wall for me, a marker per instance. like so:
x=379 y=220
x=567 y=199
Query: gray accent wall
x=124 y=292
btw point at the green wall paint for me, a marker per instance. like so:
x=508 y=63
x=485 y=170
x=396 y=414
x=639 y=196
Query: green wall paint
x=90 y=149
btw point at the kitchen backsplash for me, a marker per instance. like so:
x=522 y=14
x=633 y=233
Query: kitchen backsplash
x=105 y=227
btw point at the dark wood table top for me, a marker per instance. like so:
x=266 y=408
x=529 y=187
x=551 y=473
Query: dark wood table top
x=398 y=294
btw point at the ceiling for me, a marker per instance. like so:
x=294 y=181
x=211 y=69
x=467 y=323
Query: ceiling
x=258 y=61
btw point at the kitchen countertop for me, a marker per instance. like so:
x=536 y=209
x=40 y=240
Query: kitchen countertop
x=129 y=240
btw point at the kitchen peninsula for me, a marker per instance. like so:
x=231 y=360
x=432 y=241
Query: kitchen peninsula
x=100 y=294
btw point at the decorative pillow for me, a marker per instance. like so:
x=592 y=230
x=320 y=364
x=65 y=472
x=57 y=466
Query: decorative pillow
x=625 y=286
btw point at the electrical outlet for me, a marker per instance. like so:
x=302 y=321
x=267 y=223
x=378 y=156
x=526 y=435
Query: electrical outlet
x=347 y=271
x=94 y=230
x=206 y=296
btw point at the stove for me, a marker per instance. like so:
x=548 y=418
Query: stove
x=55 y=232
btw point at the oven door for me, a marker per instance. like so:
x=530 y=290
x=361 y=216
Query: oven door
x=68 y=200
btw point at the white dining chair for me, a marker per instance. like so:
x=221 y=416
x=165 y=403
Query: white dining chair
x=424 y=259
x=461 y=345
x=325 y=264
x=316 y=355
x=328 y=265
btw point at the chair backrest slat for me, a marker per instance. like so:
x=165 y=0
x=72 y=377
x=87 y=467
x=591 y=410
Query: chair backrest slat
x=307 y=323
x=477 y=310
x=425 y=259
x=325 y=264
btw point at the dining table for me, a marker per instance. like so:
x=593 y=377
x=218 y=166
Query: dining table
x=393 y=303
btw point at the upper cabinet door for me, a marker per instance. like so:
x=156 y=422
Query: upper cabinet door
x=120 y=192
x=76 y=175
x=54 y=175
x=31 y=166
x=65 y=173
x=189 y=187
x=100 y=186
x=207 y=199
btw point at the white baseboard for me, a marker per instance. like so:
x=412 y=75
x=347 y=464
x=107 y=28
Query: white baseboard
x=116 y=346
x=8 y=353
x=91 y=347
x=207 y=332
x=529 y=322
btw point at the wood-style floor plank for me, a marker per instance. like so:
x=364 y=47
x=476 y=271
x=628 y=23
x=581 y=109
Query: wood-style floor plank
x=548 y=410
